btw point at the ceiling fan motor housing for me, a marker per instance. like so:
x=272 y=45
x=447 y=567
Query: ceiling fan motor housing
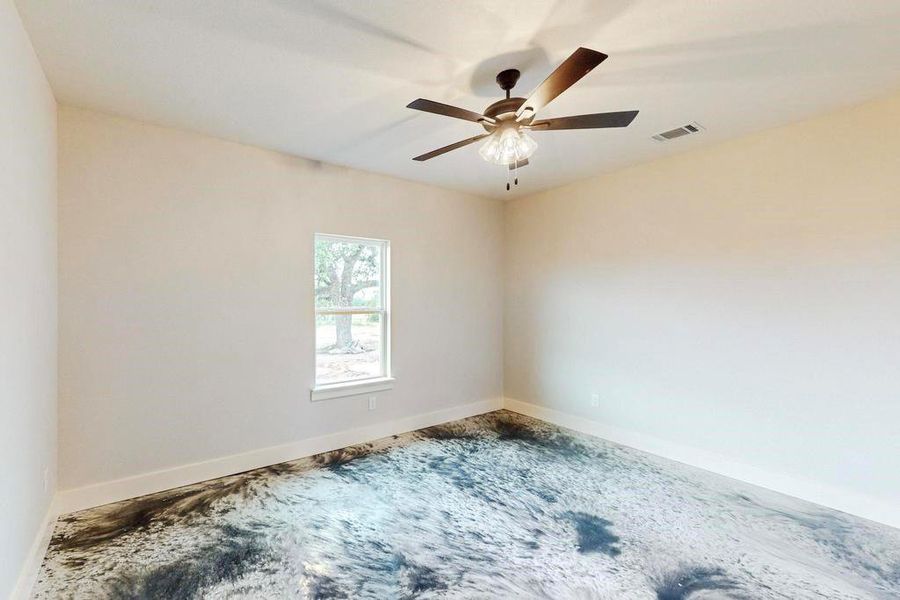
x=504 y=110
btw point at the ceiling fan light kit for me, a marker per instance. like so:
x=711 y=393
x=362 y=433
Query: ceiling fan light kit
x=508 y=147
x=508 y=121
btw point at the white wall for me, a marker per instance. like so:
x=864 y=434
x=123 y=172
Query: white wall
x=27 y=296
x=186 y=324
x=740 y=300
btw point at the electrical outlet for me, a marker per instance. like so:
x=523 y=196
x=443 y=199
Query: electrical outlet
x=595 y=400
x=372 y=402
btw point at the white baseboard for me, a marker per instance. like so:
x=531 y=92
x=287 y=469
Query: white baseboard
x=825 y=495
x=29 y=573
x=71 y=500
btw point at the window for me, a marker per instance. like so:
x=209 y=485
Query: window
x=352 y=311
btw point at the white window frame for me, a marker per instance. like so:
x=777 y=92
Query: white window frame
x=383 y=381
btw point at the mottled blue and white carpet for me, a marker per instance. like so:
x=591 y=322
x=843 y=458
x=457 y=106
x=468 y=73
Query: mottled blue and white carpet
x=496 y=506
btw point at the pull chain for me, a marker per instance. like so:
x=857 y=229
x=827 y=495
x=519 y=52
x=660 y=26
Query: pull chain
x=516 y=167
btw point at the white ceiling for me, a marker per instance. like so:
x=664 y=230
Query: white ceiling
x=330 y=79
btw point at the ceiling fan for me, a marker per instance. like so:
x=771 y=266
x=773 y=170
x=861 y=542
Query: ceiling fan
x=507 y=121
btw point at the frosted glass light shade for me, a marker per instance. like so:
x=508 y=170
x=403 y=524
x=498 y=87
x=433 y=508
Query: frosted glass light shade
x=507 y=147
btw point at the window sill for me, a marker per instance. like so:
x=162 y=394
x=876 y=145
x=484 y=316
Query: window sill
x=351 y=388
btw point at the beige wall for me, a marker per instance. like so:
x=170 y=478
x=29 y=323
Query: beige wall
x=27 y=296
x=186 y=324
x=741 y=300
x=737 y=301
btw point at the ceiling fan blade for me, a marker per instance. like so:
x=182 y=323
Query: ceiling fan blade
x=570 y=71
x=448 y=111
x=594 y=121
x=445 y=149
x=520 y=164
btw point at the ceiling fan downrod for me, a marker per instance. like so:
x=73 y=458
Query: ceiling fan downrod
x=507 y=80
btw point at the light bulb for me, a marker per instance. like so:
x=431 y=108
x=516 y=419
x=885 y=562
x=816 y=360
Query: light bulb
x=507 y=146
x=527 y=146
x=490 y=150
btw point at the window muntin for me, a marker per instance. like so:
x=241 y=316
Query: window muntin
x=352 y=319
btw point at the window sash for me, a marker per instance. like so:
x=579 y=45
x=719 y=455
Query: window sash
x=384 y=353
x=350 y=310
x=383 y=254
